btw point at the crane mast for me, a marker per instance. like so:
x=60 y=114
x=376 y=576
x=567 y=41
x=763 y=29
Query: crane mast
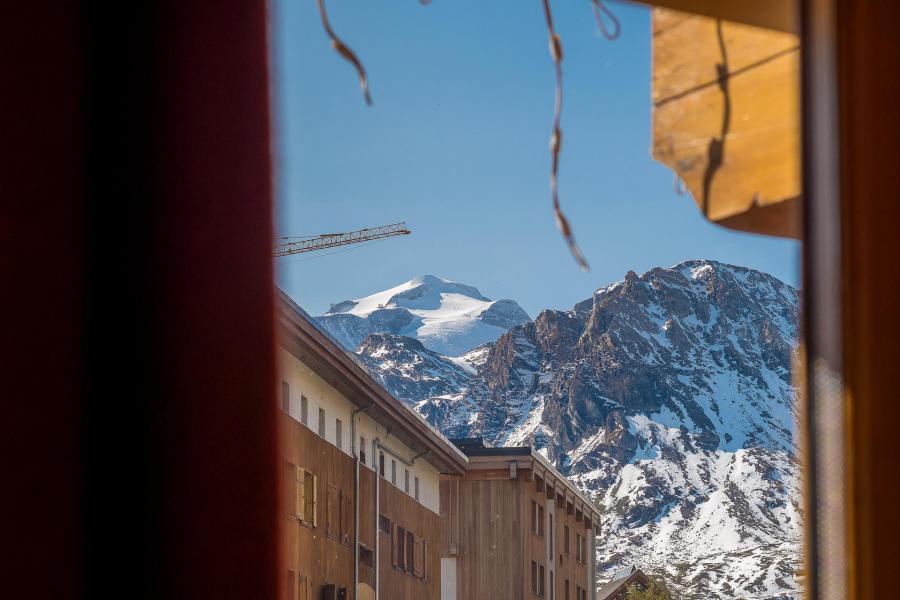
x=333 y=240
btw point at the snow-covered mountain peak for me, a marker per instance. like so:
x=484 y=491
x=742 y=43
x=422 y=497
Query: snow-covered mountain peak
x=446 y=316
x=425 y=292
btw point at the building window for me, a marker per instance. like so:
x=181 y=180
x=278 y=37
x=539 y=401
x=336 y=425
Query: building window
x=338 y=433
x=384 y=524
x=417 y=488
x=566 y=597
x=550 y=516
x=406 y=480
x=304 y=410
x=285 y=397
x=366 y=557
x=322 y=422
x=537 y=578
x=566 y=539
x=362 y=450
x=305 y=497
x=398 y=544
x=393 y=471
x=410 y=552
x=580 y=553
x=381 y=464
x=537 y=519
x=552 y=585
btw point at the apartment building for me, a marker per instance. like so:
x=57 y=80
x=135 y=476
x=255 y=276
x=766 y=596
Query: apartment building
x=516 y=529
x=361 y=470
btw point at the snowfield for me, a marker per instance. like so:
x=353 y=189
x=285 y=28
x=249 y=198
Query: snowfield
x=447 y=317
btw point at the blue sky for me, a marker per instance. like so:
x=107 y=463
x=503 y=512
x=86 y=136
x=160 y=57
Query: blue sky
x=456 y=144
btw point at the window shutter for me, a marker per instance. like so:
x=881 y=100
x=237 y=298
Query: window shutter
x=419 y=558
x=290 y=475
x=331 y=510
x=397 y=533
x=346 y=525
x=291 y=588
x=299 y=494
x=424 y=559
x=303 y=587
x=310 y=509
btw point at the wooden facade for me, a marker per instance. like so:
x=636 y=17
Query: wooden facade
x=318 y=525
x=323 y=508
x=517 y=529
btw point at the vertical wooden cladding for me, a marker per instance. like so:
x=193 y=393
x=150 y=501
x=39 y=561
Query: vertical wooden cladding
x=533 y=496
x=318 y=549
x=488 y=515
x=404 y=512
x=317 y=535
x=488 y=522
x=567 y=567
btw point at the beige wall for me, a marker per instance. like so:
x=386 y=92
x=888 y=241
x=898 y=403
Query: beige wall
x=319 y=394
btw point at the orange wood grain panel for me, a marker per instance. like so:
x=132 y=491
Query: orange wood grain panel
x=760 y=130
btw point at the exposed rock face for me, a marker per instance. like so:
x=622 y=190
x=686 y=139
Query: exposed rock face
x=669 y=397
x=408 y=369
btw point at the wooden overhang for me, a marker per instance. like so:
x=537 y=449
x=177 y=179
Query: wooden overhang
x=318 y=351
x=525 y=462
x=726 y=110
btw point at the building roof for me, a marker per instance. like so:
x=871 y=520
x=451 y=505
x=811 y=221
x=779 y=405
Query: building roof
x=621 y=579
x=624 y=572
x=482 y=456
x=305 y=340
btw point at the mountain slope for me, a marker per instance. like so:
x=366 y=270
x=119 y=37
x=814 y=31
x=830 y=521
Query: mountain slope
x=447 y=317
x=669 y=397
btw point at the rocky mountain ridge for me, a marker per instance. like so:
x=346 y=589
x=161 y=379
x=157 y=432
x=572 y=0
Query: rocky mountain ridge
x=667 y=396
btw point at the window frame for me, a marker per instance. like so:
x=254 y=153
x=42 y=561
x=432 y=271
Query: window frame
x=285 y=397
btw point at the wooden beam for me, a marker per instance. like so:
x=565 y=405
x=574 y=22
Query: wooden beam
x=780 y=15
x=734 y=145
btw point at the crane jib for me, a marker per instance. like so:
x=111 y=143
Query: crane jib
x=333 y=240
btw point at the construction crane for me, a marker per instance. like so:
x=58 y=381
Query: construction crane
x=333 y=240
